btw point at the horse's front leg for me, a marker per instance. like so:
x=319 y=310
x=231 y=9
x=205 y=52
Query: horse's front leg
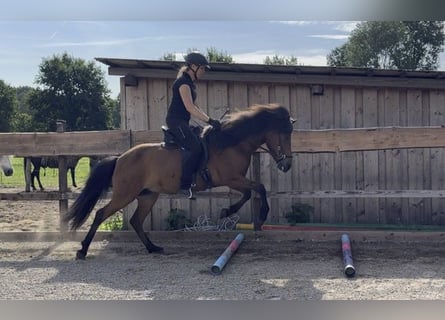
x=226 y=212
x=242 y=183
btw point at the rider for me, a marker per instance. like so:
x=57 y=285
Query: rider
x=183 y=106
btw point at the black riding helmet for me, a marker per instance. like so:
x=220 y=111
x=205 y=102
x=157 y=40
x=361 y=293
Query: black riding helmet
x=197 y=59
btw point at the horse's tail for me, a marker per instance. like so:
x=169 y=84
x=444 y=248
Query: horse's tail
x=98 y=182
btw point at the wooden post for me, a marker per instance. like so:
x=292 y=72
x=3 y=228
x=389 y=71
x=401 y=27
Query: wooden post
x=256 y=201
x=63 y=184
x=27 y=170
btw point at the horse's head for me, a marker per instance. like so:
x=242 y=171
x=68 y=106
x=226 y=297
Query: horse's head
x=6 y=165
x=279 y=144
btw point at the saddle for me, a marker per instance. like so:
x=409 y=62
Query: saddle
x=170 y=143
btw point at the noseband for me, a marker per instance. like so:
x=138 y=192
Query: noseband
x=278 y=156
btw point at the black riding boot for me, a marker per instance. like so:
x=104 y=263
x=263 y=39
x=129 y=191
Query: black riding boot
x=188 y=168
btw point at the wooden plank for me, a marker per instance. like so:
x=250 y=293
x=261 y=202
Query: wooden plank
x=316 y=170
x=426 y=156
x=393 y=172
x=416 y=209
x=299 y=194
x=303 y=168
x=327 y=161
x=348 y=159
x=437 y=117
x=359 y=169
x=68 y=143
x=308 y=141
x=299 y=79
x=137 y=106
x=370 y=159
x=157 y=96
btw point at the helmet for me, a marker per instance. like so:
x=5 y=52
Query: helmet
x=196 y=59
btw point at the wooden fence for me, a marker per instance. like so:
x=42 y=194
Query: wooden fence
x=303 y=141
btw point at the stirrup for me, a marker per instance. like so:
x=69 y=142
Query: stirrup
x=188 y=193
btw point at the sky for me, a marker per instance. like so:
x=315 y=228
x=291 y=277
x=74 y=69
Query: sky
x=148 y=30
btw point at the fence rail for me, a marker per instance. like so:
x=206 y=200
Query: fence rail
x=115 y=142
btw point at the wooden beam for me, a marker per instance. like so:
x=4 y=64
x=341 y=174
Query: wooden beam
x=118 y=141
x=68 y=143
x=339 y=140
x=287 y=78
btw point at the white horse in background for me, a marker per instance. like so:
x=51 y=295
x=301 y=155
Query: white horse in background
x=6 y=165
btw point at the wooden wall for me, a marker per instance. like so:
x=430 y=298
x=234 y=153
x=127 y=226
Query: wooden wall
x=144 y=108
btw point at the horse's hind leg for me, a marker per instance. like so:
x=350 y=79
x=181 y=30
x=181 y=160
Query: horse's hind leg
x=145 y=203
x=73 y=177
x=101 y=215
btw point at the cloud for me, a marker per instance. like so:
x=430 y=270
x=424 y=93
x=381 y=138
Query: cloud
x=330 y=36
x=258 y=57
x=98 y=43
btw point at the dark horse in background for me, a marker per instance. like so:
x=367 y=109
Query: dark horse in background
x=147 y=170
x=50 y=162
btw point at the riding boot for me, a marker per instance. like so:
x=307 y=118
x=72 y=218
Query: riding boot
x=187 y=173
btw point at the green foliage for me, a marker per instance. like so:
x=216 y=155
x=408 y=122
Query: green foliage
x=8 y=107
x=73 y=90
x=301 y=213
x=215 y=55
x=410 y=45
x=177 y=219
x=281 y=60
x=113 y=223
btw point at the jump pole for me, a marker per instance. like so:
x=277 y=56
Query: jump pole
x=349 y=269
x=219 y=264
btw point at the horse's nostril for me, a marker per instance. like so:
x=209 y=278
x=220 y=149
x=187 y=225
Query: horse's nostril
x=9 y=172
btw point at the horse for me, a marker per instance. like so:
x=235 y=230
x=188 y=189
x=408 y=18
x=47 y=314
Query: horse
x=147 y=170
x=6 y=166
x=50 y=162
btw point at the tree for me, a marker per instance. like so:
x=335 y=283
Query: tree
x=8 y=107
x=23 y=120
x=212 y=54
x=215 y=55
x=281 y=60
x=412 y=45
x=73 y=90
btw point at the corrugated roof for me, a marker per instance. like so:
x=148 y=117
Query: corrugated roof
x=276 y=69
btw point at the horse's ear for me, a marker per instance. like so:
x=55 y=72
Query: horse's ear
x=292 y=120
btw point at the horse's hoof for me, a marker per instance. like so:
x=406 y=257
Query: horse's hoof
x=156 y=249
x=80 y=255
x=224 y=213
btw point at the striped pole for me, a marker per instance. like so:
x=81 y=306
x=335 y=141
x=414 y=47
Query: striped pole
x=349 y=269
x=227 y=254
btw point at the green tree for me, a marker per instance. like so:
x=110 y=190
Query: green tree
x=23 y=120
x=8 y=107
x=412 y=45
x=73 y=90
x=212 y=54
x=215 y=55
x=281 y=60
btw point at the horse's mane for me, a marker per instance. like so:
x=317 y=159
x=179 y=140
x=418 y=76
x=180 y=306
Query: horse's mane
x=252 y=121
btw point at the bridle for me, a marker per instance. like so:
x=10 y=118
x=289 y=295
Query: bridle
x=277 y=156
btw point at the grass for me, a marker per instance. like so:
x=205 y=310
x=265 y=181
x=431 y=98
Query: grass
x=49 y=177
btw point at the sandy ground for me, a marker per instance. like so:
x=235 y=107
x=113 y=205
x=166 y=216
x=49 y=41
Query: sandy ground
x=291 y=269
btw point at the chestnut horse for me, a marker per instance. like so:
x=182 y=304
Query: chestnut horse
x=147 y=170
